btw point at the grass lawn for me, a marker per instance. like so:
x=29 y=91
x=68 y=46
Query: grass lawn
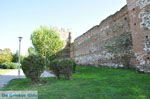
x=91 y=83
x=3 y=71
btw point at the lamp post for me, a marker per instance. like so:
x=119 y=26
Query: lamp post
x=19 y=56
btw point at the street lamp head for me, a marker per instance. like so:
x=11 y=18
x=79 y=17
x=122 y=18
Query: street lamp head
x=20 y=38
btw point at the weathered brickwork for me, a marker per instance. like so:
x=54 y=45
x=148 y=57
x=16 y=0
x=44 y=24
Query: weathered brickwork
x=89 y=48
x=139 y=13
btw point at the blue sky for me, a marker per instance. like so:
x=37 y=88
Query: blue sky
x=22 y=17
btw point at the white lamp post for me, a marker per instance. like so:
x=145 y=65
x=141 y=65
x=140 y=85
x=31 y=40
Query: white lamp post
x=19 y=56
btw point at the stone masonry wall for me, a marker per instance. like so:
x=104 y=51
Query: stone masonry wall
x=89 y=48
x=139 y=13
x=65 y=35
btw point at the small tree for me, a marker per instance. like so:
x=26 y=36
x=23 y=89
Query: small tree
x=46 y=42
x=122 y=48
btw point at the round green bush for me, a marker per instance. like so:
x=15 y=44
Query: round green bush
x=63 y=67
x=66 y=68
x=9 y=65
x=33 y=67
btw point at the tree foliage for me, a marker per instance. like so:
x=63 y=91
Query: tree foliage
x=46 y=41
x=9 y=65
x=16 y=56
x=31 y=51
x=5 y=55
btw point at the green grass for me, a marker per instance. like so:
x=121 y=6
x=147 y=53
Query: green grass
x=3 y=71
x=91 y=83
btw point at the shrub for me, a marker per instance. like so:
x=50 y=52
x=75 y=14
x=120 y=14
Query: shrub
x=33 y=66
x=74 y=66
x=9 y=65
x=63 y=67
x=54 y=66
x=66 y=68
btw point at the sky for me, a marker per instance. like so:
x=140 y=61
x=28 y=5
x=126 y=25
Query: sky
x=22 y=17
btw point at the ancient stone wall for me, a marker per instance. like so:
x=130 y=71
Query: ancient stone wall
x=65 y=35
x=89 y=48
x=139 y=13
